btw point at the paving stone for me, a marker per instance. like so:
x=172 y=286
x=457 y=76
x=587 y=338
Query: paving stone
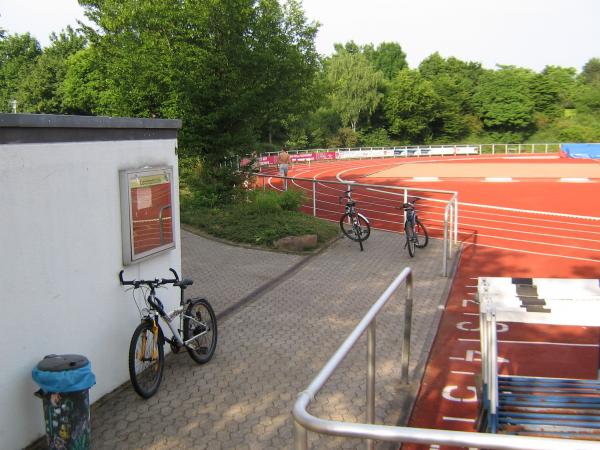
x=272 y=344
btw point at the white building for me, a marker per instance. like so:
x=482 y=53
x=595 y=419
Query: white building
x=61 y=250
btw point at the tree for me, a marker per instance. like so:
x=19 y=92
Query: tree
x=388 y=58
x=40 y=89
x=354 y=86
x=503 y=100
x=591 y=71
x=565 y=81
x=18 y=54
x=228 y=68
x=411 y=106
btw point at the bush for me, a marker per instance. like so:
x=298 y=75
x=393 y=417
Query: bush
x=208 y=185
x=291 y=200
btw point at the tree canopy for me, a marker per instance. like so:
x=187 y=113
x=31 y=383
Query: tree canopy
x=245 y=75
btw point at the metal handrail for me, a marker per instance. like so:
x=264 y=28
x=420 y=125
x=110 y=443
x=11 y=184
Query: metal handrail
x=304 y=421
x=450 y=212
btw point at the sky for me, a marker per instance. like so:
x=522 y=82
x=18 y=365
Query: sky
x=524 y=33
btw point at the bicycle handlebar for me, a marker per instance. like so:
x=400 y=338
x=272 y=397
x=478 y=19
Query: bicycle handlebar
x=409 y=205
x=151 y=283
x=347 y=194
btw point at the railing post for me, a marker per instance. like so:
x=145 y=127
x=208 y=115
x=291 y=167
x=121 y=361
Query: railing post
x=371 y=341
x=403 y=210
x=445 y=262
x=450 y=230
x=300 y=437
x=315 y=198
x=408 y=307
x=263 y=181
x=455 y=219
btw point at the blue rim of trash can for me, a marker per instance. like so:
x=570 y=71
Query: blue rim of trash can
x=65 y=380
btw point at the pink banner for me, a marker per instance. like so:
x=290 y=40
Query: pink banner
x=299 y=157
x=324 y=155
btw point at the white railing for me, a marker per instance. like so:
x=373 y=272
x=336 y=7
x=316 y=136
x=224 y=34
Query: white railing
x=448 y=218
x=436 y=150
x=304 y=421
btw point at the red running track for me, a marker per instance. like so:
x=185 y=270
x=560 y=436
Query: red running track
x=513 y=242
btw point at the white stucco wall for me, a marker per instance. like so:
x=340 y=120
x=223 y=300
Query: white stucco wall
x=60 y=243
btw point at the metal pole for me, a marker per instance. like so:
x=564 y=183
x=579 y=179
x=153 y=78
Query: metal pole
x=451 y=205
x=455 y=219
x=445 y=263
x=315 y=198
x=403 y=210
x=407 y=329
x=371 y=340
x=263 y=180
x=300 y=437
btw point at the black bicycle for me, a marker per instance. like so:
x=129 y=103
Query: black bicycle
x=415 y=231
x=353 y=224
x=196 y=333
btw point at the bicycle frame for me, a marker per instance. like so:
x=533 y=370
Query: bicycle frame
x=168 y=318
x=353 y=217
x=157 y=310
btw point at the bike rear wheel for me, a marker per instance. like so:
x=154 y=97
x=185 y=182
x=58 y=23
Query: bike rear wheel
x=200 y=320
x=355 y=227
x=421 y=235
x=146 y=359
x=410 y=240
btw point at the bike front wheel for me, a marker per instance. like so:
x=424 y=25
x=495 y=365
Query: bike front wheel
x=146 y=359
x=421 y=235
x=355 y=227
x=410 y=239
x=200 y=325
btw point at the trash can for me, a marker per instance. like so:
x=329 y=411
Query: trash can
x=64 y=382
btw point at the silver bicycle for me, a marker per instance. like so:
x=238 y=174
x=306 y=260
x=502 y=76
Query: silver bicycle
x=195 y=331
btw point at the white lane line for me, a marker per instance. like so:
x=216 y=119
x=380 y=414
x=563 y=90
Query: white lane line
x=470 y=226
x=498 y=180
x=561 y=344
x=528 y=211
x=458 y=372
x=531 y=157
x=574 y=180
x=533 y=225
x=546 y=244
x=532 y=253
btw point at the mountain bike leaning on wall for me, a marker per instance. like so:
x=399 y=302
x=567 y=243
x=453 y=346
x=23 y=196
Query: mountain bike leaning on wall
x=415 y=232
x=353 y=224
x=197 y=332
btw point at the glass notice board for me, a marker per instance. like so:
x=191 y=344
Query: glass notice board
x=146 y=212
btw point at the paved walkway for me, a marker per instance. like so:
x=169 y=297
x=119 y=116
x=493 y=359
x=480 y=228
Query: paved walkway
x=281 y=317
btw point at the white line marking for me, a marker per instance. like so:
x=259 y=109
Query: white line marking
x=530 y=157
x=566 y=344
x=574 y=180
x=458 y=419
x=458 y=372
x=530 y=225
x=498 y=180
x=549 y=244
x=470 y=314
x=529 y=211
x=533 y=253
